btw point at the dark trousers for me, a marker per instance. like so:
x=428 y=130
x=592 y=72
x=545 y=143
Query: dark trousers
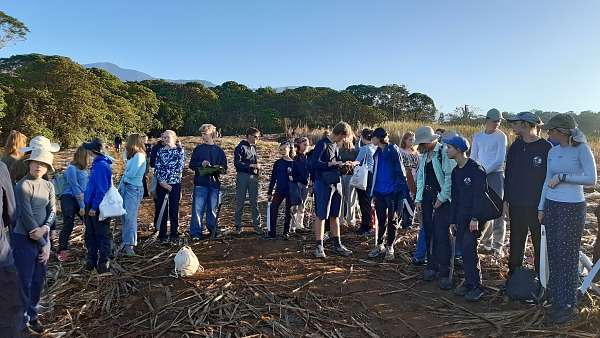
x=70 y=209
x=11 y=303
x=407 y=218
x=172 y=210
x=145 y=184
x=523 y=220
x=437 y=231
x=32 y=274
x=364 y=202
x=276 y=201
x=386 y=207
x=97 y=239
x=469 y=240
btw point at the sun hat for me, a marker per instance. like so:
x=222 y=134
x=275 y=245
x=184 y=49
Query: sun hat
x=425 y=135
x=562 y=121
x=525 y=116
x=96 y=145
x=43 y=156
x=41 y=142
x=494 y=115
x=458 y=142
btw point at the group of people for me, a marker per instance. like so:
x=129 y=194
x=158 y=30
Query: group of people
x=438 y=178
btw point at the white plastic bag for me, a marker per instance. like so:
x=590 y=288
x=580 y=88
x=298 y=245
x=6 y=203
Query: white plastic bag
x=112 y=204
x=360 y=177
x=186 y=262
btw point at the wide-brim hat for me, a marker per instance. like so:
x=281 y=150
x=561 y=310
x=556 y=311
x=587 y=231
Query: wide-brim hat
x=562 y=121
x=525 y=116
x=425 y=135
x=43 y=143
x=43 y=156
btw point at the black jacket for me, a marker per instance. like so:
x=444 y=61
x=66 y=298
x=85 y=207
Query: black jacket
x=243 y=156
x=468 y=191
x=7 y=216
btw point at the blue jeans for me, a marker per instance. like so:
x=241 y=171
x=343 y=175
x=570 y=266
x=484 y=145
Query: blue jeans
x=421 y=250
x=132 y=197
x=205 y=200
x=32 y=273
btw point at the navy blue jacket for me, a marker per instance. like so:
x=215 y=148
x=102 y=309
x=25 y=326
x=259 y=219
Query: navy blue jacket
x=7 y=216
x=325 y=151
x=99 y=182
x=301 y=171
x=243 y=156
x=468 y=191
x=391 y=155
x=213 y=154
x=280 y=176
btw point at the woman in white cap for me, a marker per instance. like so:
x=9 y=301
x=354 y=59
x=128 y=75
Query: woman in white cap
x=19 y=169
x=36 y=211
x=433 y=201
x=562 y=210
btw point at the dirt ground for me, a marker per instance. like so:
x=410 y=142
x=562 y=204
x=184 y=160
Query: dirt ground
x=251 y=287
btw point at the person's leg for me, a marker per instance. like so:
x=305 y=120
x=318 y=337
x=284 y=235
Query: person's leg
x=441 y=246
x=212 y=206
x=427 y=224
x=496 y=182
x=288 y=215
x=381 y=211
x=11 y=304
x=471 y=264
x=421 y=246
x=365 y=209
x=352 y=202
x=131 y=203
x=69 y=207
x=162 y=223
x=392 y=222
x=518 y=237
x=25 y=255
x=37 y=285
x=253 y=194
x=174 y=198
x=536 y=233
x=241 y=188
x=274 y=211
x=103 y=235
x=407 y=218
x=91 y=242
x=196 y=221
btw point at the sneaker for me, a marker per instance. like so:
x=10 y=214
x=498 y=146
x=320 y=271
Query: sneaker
x=89 y=266
x=63 y=256
x=342 y=250
x=461 y=291
x=474 y=295
x=320 y=252
x=36 y=326
x=128 y=250
x=418 y=262
x=389 y=254
x=286 y=237
x=446 y=283
x=196 y=239
x=377 y=251
x=165 y=242
x=103 y=269
x=562 y=316
x=429 y=275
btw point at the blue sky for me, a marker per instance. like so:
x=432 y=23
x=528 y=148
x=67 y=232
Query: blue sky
x=513 y=55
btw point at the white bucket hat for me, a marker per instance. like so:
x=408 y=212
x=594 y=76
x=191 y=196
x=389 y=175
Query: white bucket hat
x=425 y=135
x=43 y=156
x=41 y=142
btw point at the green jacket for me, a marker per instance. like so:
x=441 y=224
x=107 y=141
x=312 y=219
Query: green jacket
x=443 y=173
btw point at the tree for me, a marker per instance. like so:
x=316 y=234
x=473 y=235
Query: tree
x=421 y=107
x=11 y=29
x=441 y=118
x=465 y=115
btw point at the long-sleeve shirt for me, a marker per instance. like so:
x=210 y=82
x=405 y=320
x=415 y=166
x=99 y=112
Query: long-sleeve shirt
x=525 y=172
x=301 y=171
x=579 y=165
x=489 y=150
x=36 y=205
x=7 y=216
x=76 y=181
x=99 y=182
x=468 y=191
x=243 y=156
x=324 y=152
x=443 y=173
x=169 y=165
x=135 y=170
x=281 y=176
x=215 y=156
x=365 y=155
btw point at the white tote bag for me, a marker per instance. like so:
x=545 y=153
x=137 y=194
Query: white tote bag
x=544 y=267
x=186 y=262
x=112 y=204
x=360 y=177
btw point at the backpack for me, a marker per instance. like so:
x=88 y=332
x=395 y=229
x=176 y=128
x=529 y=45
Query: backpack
x=186 y=262
x=60 y=183
x=523 y=285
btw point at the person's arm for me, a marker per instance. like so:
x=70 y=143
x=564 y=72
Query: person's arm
x=23 y=197
x=475 y=149
x=316 y=162
x=51 y=206
x=586 y=159
x=454 y=195
x=102 y=184
x=222 y=159
x=479 y=182
x=447 y=165
x=420 y=178
x=239 y=155
x=181 y=159
x=8 y=198
x=545 y=186
x=72 y=181
x=500 y=155
x=158 y=169
x=195 y=161
x=361 y=155
x=130 y=168
x=508 y=175
x=273 y=178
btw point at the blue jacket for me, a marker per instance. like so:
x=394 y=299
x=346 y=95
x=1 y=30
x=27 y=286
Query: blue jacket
x=391 y=155
x=76 y=182
x=324 y=152
x=280 y=176
x=99 y=183
x=301 y=172
x=213 y=154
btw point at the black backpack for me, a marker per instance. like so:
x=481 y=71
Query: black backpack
x=523 y=285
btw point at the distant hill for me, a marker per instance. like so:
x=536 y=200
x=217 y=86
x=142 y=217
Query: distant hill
x=135 y=75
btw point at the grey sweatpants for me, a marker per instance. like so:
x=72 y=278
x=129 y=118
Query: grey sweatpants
x=246 y=184
x=495 y=230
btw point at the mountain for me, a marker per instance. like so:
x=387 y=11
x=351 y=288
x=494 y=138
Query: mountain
x=134 y=75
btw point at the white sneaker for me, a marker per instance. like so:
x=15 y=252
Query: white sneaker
x=377 y=251
x=320 y=252
x=389 y=253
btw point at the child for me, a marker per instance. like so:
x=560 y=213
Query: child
x=36 y=211
x=281 y=178
x=97 y=232
x=302 y=172
x=468 y=190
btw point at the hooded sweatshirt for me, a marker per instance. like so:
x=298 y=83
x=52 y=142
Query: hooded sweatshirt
x=99 y=182
x=215 y=156
x=243 y=156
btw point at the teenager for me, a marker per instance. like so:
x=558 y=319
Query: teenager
x=11 y=304
x=348 y=157
x=148 y=150
x=525 y=173
x=19 y=168
x=282 y=176
x=489 y=150
x=12 y=148
x=71 y=200
x=302 y=177
x=468 y=190
x=325 y=162
x=168 y=170
x=36 y=211
x=132 y=190
x=366 y=150
x=389 y=190
x=434 y=186
x=208 y=162
x=410 y=160
x=562 y=209
x=97 y=232
x=245 y=159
